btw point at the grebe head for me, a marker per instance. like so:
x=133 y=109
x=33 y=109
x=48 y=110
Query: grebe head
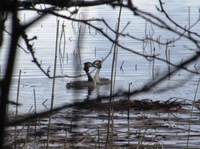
x=87 y=66
x=97 y=64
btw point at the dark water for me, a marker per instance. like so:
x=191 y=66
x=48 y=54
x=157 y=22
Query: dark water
x=136 y=69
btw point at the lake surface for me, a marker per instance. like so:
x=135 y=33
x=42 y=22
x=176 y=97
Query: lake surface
x=136 y=69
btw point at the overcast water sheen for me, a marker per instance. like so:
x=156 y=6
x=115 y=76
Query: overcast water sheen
x=136 y=69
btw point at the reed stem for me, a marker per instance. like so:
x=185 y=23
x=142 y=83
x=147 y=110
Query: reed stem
x=35 y=105
x=128 y=117
x=17 y=101
x=191 y=113
x=109 y=137
x=53 y=85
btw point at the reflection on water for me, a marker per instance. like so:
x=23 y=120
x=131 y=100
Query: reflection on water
x=135 y=69
x=91 y=93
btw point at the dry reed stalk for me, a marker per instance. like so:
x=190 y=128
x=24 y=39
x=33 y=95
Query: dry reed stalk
x=27 y=132
x=34 y=96
x=153 y=67
x=108 y=53
x=152 y=47
x=195 y=91
x=95 y=52
x=167 y=55
x=99 y=145
x=27 y=136
x=67 y=57
x=128 y=115
x=189 y=20
x=53 y=84
x=65 y=145
x=17 y=102
x=109 y=137
x=169 y=62
x=35 y=105
x=62 y=50
x=81 y=34
x=121 y=67
x=191 y=113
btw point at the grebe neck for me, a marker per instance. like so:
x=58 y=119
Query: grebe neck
x=96 y=76
x=90 y=78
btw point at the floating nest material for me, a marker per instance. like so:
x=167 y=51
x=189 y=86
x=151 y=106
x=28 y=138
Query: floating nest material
x=137 y=124
x=125 y=104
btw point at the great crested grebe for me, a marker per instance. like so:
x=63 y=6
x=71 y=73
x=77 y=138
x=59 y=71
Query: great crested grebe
x=90 y=83
x=98 y=64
